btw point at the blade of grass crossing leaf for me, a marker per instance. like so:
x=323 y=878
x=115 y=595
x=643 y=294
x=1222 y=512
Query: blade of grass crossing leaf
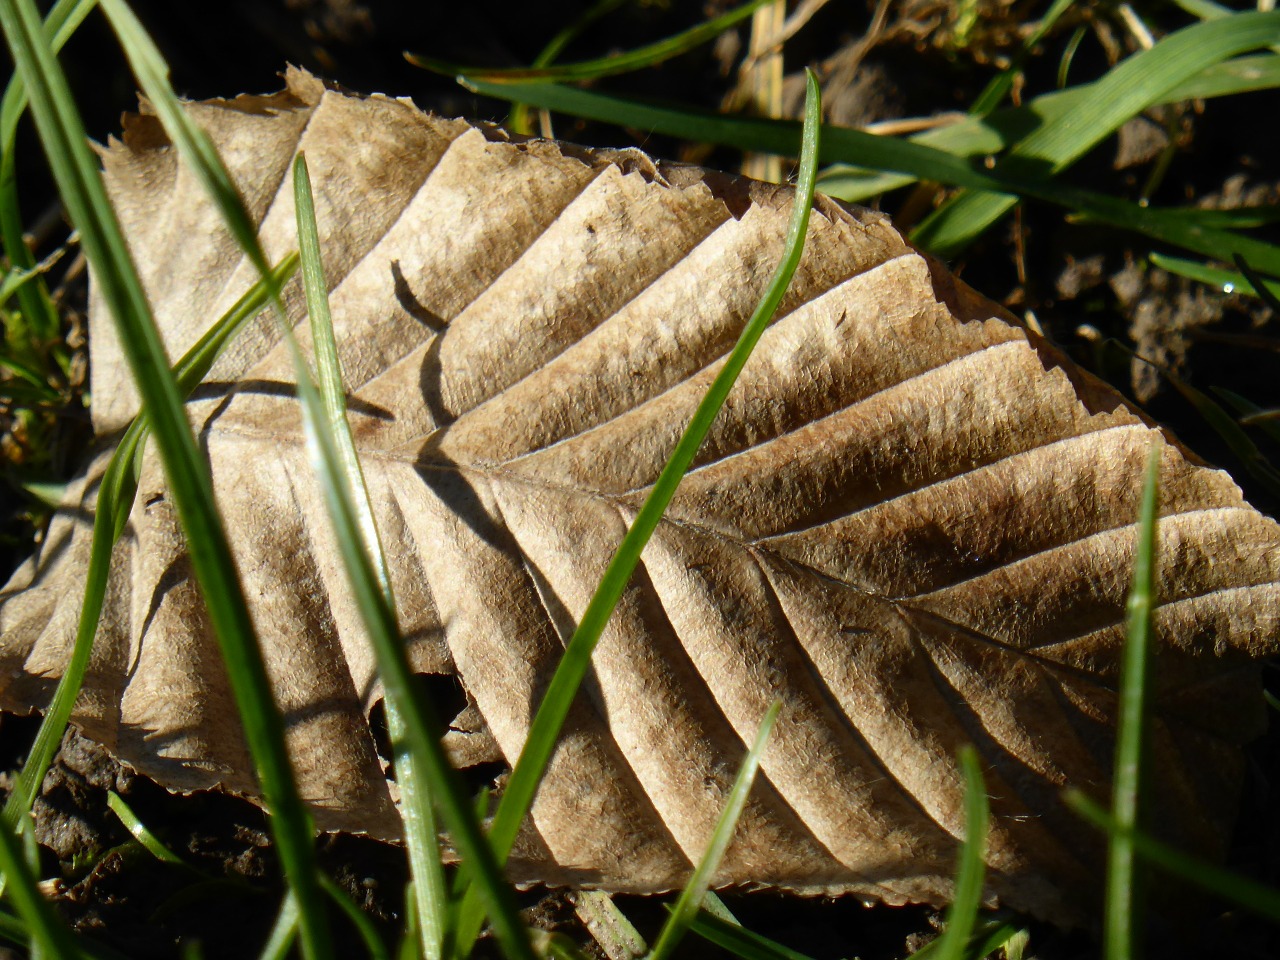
x=152 y=74
x=962 y=915
x=76 y=173
x=327 y=434
x=379 y=618
x=1126 y=90
x=140 y=831
x=690 y=898
x=921 y=161
x=115 y=498
x=646 y=56
x=549 y=719
x=46 y=932
x=1256 y=897
x=422 y=732
x=1122 y=914
x=75 y=170
x=416 y=806
x=34 y=301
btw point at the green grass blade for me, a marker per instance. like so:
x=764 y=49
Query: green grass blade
x=919 y=160
x=29 y=374
x=375 y=949
x=36 y=306
x=982 y=136
x=422 y=733
x=545 y=729
x=1235 y=76
x=152 y=74
x=690 y=898
x=283 y=932
x=1122 y=917
x=1228 y=281
x=985 y=940
x=740 y=941
x=1231 y=432
x=962 y=915
x=1250 y=413
x=327 y=433
x=140 y=831
x=646 y=56
x=1259 y=283
x=416 y=807
x=75 y=171
x=1256 y=897
x=46 y=932
x=115 y=499
x=613 y=932
x=410 y=939
x=1002 y=83
x=518 y=121
x=1129 y=88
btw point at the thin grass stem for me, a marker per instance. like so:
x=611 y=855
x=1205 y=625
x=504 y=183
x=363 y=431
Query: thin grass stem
x=1123 y=914
x=646 y=56
x=563 y=687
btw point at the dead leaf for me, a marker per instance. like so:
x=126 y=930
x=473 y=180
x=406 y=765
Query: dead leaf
x=913 y=520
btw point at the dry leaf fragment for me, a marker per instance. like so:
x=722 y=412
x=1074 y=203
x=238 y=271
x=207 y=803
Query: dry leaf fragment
x=913 y=520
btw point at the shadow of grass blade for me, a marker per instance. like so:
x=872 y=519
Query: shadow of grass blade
x=1122 y=915
x=75 y=171
x=962 y=915
x=917 y=159
x=1224 y=884
x=646 y=56
x=415 y=802
x=115 y=499
x=690 y=898
x=337 y=468
x=36 y=305
x=1131 y=87
x=527 y=773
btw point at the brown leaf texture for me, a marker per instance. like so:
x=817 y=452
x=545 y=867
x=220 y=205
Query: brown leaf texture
x=913 y=521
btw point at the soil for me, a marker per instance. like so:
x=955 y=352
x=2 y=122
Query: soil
x=1082 y=283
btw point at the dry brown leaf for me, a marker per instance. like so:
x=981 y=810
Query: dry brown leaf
x=913 y=521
